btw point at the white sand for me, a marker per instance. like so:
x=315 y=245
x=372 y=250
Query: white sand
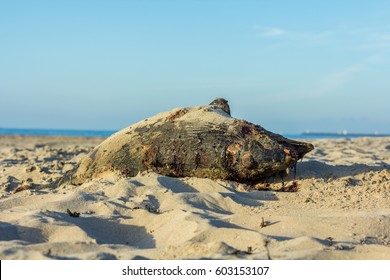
x=341 y=210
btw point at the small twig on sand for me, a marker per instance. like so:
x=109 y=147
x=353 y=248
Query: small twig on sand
x=330 y=240
x=263 y=223
x=289 y=188
x=73 y=214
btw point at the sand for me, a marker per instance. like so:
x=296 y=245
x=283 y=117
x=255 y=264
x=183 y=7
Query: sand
x=341 y=209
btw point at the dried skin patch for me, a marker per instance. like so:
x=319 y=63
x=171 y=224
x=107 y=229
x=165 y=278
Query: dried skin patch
x=149 y=154
x=175 y=115
x=248 y=161
x=232 y=153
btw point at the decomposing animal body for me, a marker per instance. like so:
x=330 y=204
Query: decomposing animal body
x=203 y=141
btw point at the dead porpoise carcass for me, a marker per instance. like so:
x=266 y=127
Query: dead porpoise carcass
x=203 y=141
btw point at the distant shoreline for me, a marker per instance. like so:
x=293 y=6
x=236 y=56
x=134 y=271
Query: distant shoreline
x=343 y=134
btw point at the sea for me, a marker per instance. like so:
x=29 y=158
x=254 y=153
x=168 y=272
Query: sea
x=106 y=133
x=56 y=132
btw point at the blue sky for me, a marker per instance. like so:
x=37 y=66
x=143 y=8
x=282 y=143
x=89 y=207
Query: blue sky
x=289 y=66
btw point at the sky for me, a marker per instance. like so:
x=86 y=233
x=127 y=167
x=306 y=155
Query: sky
x=289 y=66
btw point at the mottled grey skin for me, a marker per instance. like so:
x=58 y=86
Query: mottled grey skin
x=221 y=103
x=200 y=141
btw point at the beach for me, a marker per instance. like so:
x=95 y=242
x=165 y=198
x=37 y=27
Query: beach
x=338 y=207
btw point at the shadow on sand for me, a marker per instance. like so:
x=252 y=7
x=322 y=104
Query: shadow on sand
x=317 y=169
x=110 y=231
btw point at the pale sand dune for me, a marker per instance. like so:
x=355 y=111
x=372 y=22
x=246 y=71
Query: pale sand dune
x=341 y=210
